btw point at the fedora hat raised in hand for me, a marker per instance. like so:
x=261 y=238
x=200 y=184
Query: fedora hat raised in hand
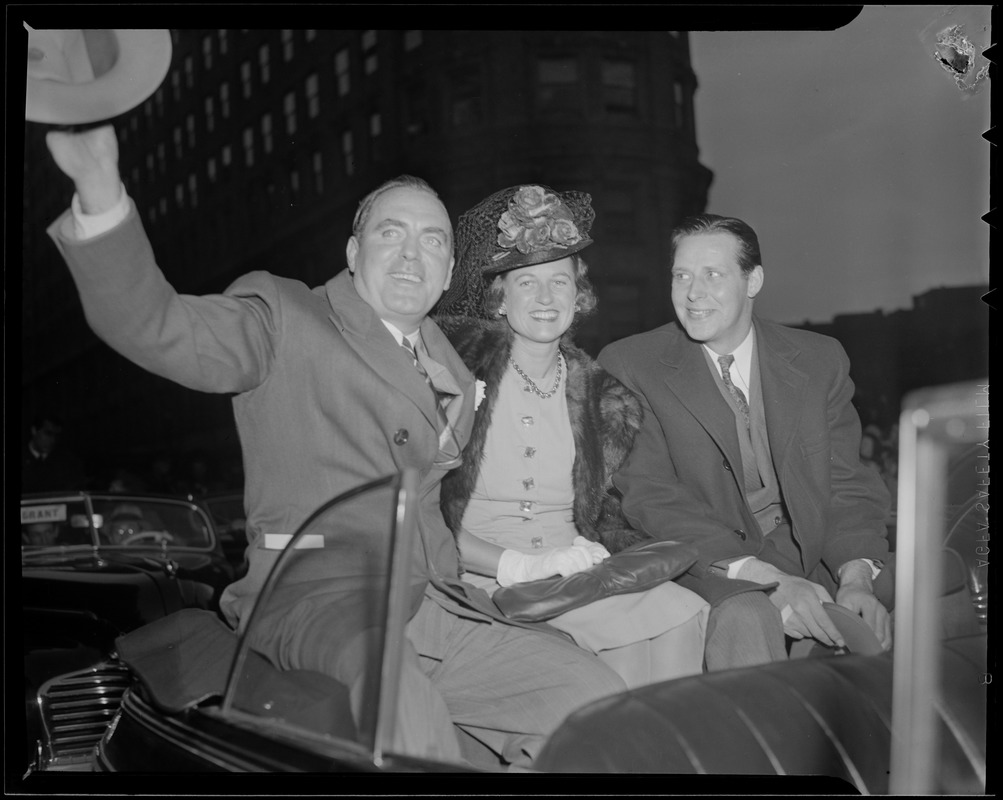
x=78 y=77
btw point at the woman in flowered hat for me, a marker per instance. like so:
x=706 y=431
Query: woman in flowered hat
x=531 y=498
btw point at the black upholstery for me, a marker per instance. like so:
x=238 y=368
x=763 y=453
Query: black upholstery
x=816 y=716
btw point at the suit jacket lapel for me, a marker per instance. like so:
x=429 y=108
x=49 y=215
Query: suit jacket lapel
x=784 y=387
x=692 y=382
x=365 y=332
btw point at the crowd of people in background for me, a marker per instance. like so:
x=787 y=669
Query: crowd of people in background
x=879 y=449
x=200 y=474
x=49 y=463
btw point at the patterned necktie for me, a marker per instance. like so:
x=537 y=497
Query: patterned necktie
x=743 y=404
x=449 y=447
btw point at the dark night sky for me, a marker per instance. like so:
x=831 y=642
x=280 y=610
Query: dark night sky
x=854 y=155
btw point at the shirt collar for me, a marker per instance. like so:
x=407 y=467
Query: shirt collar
x=414 y=338
x=743 y=357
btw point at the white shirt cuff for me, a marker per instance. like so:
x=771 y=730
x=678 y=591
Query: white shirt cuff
x=87 y=226
x=875 y=568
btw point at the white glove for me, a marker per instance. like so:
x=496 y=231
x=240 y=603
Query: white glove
x=516 y=567
x=598 y=552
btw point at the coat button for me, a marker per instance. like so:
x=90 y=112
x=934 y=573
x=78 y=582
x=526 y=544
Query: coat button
x=740 y=534
x=401 y=436
x=727 y=466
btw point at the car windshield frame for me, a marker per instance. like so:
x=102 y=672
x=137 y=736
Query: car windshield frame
x=94 y=512
x=376 y=730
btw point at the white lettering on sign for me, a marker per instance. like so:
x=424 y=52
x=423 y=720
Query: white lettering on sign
x=50 y=513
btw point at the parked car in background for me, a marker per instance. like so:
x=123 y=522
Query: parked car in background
x=94 y=566
x=227 y=509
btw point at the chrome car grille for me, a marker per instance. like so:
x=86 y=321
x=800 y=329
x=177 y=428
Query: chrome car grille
x=76 y=709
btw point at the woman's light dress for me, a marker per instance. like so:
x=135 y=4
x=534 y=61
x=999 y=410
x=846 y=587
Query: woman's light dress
x=523 y=500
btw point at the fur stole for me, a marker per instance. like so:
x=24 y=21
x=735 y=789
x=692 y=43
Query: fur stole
x=605 y=418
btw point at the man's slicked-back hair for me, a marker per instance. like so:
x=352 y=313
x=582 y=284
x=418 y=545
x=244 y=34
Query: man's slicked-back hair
x=748 y=242
x=400 y=182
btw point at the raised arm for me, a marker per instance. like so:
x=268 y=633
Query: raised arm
x=216 y=343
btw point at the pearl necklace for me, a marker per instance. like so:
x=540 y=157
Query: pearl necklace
x=530 y=383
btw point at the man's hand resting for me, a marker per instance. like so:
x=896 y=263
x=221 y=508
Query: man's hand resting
x=804 y=599
x=856 y=594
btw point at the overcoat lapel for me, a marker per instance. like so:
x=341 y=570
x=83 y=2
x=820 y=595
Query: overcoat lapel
x=369 y=337
x=784 y=388
x=691 y=381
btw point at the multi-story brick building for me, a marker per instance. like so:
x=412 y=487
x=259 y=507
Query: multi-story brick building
x=255 y=151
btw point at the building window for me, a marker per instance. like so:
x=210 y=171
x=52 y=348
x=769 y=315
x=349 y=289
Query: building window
x=150 y=166
x=245 y=77
x=148 y=108
x=312 y=95
x=189 y=72
x=193 y=190
x=222 y=42
x=249 y=147
x=134 y=123
x=348 y=152
x=163 y=206
x=370 y=61
x=224 y=100
x=310 y=34
x=266 y=132
x=375 y=129
x=318 y=173
x=207 y=52
x=465 y=96
x=294 y=184
x=289 y=107
x=226 y=155
x=619 y=85
x=415 y=110
x=287 y=45
x=135 y=176
x=179 y=195
x=176 y=85
x=177 y=142
x=412 y=40
x=123 y=135
x=341 y=65
x=210 y=115
x=158 y=98
x=264 y=57
x=210 y=170
x=190 y=126
x=557 y=83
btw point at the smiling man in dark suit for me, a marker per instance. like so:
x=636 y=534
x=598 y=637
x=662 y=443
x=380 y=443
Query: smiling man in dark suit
x=335 y=386
x=749 y=447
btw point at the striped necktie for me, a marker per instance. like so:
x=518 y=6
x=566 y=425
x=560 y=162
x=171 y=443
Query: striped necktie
x=743 y=404
x=449 y=447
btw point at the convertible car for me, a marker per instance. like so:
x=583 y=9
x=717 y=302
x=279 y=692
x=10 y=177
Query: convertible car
x=93 y=567
x=199 y=699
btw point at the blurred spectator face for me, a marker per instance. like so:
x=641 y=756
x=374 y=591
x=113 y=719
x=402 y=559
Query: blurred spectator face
x=867 y=448
x=125 y=522
x=40 y=534
x=44 y=438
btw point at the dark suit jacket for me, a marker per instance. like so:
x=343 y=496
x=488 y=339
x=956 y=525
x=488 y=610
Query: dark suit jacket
x=325 y=400
x=683 y=479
